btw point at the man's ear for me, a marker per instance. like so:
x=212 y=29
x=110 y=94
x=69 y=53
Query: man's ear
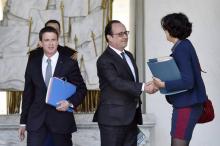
x=109 y=37
x=40 y=44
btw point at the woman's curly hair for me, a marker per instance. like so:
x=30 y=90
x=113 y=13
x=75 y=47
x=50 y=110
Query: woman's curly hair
x=177 y=24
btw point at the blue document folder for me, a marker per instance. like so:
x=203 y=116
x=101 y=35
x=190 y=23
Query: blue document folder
x=165 y=69
x=58 y=90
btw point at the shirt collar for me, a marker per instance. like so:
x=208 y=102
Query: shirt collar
x=53 y=58
x=116 y=50
x=174 y=46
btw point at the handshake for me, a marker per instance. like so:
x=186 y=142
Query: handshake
x=153 y=86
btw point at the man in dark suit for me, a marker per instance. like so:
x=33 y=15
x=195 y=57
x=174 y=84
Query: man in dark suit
x=61 y=49
x=119 y=110
x=64 y=50
x=37 y=117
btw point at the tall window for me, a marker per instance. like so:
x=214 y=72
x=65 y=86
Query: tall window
x=120 y=12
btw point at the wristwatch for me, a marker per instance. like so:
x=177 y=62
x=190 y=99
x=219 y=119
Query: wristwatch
x=70 y=104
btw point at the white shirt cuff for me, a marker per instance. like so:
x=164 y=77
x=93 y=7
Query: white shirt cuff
x=142 y=89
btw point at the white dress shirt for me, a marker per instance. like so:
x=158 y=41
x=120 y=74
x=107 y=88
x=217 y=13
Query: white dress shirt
x=54 y=60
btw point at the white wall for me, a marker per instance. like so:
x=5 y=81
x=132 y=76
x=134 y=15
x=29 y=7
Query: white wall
x=205 y=16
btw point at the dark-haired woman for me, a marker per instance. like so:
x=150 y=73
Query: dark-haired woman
x=187 y=106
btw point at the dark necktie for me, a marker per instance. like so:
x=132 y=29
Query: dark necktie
x=123 y=57
x=48 y=74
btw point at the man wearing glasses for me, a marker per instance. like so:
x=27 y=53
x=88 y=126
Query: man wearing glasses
x=119 y=110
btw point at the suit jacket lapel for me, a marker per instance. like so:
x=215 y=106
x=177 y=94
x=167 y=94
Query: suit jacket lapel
x=121 y=61
x=134 y=65
x=56 y=71
x=59 y=65
x=39 y=70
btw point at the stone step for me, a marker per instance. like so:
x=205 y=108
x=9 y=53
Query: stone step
x=87 y=134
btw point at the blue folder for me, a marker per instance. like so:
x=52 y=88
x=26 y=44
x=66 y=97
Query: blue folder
x=165 y=69
x=58 y=90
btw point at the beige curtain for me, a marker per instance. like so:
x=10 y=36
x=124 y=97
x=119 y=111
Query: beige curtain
x=89 y=105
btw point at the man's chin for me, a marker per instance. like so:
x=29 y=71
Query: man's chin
x=51 y=53
x=125 y=45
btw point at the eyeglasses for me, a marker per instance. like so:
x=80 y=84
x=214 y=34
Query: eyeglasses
x=121 y=34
